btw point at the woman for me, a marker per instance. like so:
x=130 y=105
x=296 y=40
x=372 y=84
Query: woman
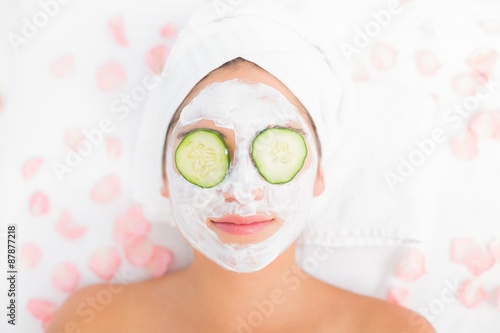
x=241 y=163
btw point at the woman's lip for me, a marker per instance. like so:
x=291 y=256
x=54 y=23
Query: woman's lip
x=237 y=219
x=242 y=229
x=242 y=225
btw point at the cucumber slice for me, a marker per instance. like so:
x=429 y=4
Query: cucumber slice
x=202 y=158
x=279 y=154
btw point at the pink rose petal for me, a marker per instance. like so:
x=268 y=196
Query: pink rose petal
x=39 y=204
x=73 y=137
x=412 y=266
x=63 y=67
x=168 y=31
x=65 y=277
x=469 y=253
x=468 y=84
x=496 y=135
x=471 y=293
x=46 y=323
x=384 y=56
x=131 y=226
x=111 y=77
x=465 y=250
x=31 y=166
x=398 y=295
x=359 y=71
x=494 y=248
x=156 y=58
x=67 y=228
x=160 y=261
x=498 y=299
x=116 y=26
x=139 y=252
x=427 y=62
x=436 y=98
x=485 y=124
x=41 y=310
x=114 y=148
x=105 y=262
x=483 y=61
x=483 y=264
x=106 y=189
x=465 y=146
x=30 y=255
x=428 y=27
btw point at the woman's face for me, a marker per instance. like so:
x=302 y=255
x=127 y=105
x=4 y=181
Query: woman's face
x=244 y=221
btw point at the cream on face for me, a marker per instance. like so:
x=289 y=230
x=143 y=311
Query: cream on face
x=245 y=110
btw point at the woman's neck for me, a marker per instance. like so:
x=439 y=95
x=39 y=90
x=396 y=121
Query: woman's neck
x=270 y=299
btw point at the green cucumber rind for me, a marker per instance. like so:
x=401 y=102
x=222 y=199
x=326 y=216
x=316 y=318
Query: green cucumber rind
x=259 y=164
x=185 y=141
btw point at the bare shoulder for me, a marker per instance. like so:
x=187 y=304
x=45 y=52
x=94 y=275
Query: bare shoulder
x=394 y=318
x=358 y=313
x=88 y=309
x=384 y=317
x=102 y=308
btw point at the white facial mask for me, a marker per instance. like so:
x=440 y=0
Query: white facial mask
x=246 y=109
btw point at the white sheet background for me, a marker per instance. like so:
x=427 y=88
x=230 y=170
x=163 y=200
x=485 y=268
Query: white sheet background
x=67 y=77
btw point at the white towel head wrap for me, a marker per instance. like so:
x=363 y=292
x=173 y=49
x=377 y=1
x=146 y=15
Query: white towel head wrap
x=271 y=37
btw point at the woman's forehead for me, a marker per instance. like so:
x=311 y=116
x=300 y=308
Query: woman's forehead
x=239 y=105
x=246 y=72
x=250 y=73
x=208 y=123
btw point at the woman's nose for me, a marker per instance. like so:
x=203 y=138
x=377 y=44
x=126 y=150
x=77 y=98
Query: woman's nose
x=241 y=185
x=255 y=195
